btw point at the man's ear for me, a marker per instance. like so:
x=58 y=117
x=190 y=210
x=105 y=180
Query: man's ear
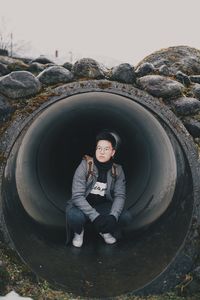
x=113 y=152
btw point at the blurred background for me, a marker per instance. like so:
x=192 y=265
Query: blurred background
x=111 y=31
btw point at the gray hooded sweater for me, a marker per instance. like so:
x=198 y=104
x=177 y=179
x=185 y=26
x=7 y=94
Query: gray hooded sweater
x=81 y=187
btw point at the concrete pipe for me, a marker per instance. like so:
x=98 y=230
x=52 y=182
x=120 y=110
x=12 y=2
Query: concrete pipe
x=160 y=163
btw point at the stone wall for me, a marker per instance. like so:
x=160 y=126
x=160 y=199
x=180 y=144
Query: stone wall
x=172 y=75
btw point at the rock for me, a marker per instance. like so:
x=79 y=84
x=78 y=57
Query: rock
x=183 y=78
x=195 y=78
x=190 y=64
x=3 y=70
x=193 y=127
x=42 y=60
x=54 y=75
x=160 y=86
x=196 y=90
x=5 y=109
x=145 y=69
x=67 y=66
x=178 y=58
x=17 y=66
x=19 y=84
x=9 y=60
x=123 y=73
x=185 y=106
x=36 y=67
x=88 y=68
x=164 y=70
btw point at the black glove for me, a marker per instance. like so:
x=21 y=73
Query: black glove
x=99 y=223
x=110 y=224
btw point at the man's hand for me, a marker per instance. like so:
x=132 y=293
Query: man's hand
x=110 y=224
x=105 y=223
x=99 y=223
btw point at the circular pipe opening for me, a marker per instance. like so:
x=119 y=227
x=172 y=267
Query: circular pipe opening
x=37 y=185
x=56 y=141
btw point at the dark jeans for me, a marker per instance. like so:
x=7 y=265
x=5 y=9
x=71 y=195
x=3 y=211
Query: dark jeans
x=76 y=219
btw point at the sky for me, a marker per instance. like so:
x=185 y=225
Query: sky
x=111 y=31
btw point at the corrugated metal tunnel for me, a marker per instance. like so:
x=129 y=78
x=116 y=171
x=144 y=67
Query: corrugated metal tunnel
x=160 y=194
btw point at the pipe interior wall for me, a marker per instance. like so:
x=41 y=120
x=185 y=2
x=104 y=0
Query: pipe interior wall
x=37 y=185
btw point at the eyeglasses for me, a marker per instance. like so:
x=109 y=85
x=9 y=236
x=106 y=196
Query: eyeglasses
x=106 y=149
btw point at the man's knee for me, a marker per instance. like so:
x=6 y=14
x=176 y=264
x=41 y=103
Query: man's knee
x=75 y=214
x=125 y=218
x=75 y=219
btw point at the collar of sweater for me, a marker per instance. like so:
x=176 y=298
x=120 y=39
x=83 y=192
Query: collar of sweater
x=103 y=166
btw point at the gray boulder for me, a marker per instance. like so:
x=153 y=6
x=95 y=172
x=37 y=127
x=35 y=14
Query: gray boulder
x=68 y=66
x=178 y=58
x=54 y=75
x=36 y=67
x=124 y=73
x=195 y=78
x=196 y=91
x=164 y=70
x=5 y=109
x=9 y=60
x=88 y=68
x=193 y=127
x=19 y=84
x=42 y=60
x=145 y=69
x=160 y=86
x=185 y=106
x=3 y=70
x=17 y=66
x=183 y=78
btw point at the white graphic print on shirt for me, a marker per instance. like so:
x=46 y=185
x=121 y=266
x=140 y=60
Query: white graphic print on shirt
x=99 y=188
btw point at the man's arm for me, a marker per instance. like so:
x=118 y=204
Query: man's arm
x=79 y=191
x=119 y=194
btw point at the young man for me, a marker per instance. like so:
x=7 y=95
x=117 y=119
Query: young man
x=98 y=196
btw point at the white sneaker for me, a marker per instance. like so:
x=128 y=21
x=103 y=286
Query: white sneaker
x=108 y=238
x=78 y=239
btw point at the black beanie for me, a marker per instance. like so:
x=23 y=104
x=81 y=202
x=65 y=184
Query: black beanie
x=107 y=136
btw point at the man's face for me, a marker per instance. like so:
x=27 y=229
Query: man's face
x=104 y=151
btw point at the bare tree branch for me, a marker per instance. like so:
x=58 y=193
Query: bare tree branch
x=8 y=42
